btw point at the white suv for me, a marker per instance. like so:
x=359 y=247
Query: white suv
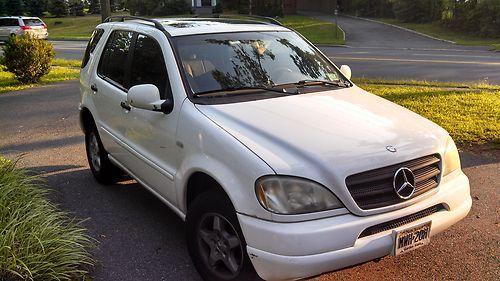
x=281 y=167
x=13 y=26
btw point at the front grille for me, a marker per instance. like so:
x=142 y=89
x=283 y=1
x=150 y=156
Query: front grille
x=401 y=221
x=374 y=189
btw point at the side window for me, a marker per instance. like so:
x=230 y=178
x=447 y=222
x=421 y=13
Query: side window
x=148 y=65
x=13 y=22
x=114 y=57
x=3 y=22
x=94 y=39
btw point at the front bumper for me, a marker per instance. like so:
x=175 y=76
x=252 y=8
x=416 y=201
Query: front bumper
x=287 y=251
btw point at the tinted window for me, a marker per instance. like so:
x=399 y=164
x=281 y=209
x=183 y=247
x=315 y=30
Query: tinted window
x=114 y=57
x=94 y=39
x=148 y=66
x=33 y=22
x=9 y=22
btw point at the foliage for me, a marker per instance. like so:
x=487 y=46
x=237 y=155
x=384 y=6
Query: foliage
x=480 y=17
x=368 y=8
x=157 y=8
x=38 y=241
x=58 y=8
x=269 y=8
x=418 y=11
x=27 y=58
x=35 y=7
x=76 y=8
x=14 y=7
x=94 y=7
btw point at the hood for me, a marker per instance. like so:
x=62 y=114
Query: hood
x=327 y=136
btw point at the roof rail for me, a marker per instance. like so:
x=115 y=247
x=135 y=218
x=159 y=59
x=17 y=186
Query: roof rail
x=269 y=19
x=157 y=24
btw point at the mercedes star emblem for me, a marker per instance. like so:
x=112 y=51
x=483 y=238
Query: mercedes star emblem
x=404 y=183
x=390 y=148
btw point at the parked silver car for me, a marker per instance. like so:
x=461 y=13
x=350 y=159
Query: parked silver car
x=14 y=26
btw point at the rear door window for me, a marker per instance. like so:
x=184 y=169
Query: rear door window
x=114 y=58
x=148 y=65
x=94 y=39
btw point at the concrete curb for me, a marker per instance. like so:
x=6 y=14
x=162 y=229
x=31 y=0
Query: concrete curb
x=331 y=45
x=343 y=32
x=402 y=28
x=68 y=39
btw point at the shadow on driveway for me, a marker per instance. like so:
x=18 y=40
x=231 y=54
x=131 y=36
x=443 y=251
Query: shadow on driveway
x=139 y=238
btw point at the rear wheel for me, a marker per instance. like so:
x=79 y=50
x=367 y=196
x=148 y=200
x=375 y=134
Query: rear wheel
x=103 y=170
x=215 y=241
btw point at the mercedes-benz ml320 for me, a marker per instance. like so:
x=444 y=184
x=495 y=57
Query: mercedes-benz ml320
x=281 y=167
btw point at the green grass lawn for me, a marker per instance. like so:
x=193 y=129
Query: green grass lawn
x=317 y=31
x=439 y=31
x=72 y=27
x=61 y=70
x=470 y=113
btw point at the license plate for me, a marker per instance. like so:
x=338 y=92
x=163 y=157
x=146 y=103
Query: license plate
x=409 y=239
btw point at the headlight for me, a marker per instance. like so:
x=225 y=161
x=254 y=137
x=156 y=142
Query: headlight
x=291 y=195
x=451 y=158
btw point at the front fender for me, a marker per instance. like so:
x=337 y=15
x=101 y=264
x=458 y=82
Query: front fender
x=209 y=149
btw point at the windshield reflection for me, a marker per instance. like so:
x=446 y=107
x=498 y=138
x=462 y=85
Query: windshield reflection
x=250 y=59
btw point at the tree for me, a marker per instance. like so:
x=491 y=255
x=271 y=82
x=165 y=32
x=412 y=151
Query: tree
x=14 y=7
x=418 y=11
x=2 y=8
x=58 y=8
x=95 y=7
x=35 y=7
x=76 y=8
x=105 y=10
x=157 y=8
x=270 y=8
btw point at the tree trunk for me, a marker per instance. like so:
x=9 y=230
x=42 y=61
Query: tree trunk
x=105 y=9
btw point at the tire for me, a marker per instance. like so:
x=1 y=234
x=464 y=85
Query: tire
x=103 y=170
x=215 y=241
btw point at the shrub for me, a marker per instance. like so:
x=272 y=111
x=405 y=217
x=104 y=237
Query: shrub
x=37 y=241
x=28 y=58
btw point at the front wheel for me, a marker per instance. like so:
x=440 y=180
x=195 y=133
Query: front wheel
x=103 y=170
x=215 y=241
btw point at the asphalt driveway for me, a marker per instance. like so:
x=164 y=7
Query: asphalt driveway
x=141 y=239
x=375 y=50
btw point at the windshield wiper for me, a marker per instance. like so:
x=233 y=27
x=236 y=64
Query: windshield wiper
x=310 y=82
x=238 y=90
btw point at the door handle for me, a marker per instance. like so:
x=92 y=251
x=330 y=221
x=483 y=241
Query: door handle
x=93 y=87
x=124 y=105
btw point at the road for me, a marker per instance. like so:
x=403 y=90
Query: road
x=141 y=239
x=379 y=51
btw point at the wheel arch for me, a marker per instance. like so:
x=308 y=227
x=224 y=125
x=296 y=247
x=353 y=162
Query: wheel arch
x=200 y=182
x=86 y=120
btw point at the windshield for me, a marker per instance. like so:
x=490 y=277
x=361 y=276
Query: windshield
x=250 y=59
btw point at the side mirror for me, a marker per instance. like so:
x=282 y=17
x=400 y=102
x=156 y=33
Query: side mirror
x=147 y=96
x=346 y=70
